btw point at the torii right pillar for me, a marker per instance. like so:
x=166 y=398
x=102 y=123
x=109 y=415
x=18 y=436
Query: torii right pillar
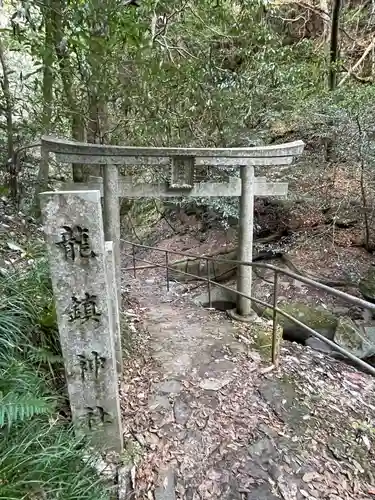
x=245 y=240
x=249 y=189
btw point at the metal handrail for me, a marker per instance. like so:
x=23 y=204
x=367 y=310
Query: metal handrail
x=277 y=271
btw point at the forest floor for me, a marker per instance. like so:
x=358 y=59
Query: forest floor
x=200 y=404
x=211 y=421
x=200 y=401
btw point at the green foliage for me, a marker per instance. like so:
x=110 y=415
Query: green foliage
x=346 y=117
x=211 y=74
x=43 y=459
x=202 y=73
x=16 y=408
x=27 y=311
x=39 y=455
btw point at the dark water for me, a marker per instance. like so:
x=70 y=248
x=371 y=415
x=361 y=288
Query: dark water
x=221 y=305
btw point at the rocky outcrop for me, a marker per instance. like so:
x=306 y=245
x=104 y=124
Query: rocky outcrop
x=367 y=286
x=316 y=318
x=352 y=338
x=219 y=270
x=343 y=331
x=201 y=267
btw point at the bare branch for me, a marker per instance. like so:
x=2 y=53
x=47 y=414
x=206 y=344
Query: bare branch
x=360 y=60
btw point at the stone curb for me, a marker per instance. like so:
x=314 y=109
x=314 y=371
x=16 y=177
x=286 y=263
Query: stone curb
x=166 y=485
x=124 y=483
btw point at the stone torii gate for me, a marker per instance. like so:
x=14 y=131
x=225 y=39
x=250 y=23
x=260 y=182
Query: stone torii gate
x=183 y=165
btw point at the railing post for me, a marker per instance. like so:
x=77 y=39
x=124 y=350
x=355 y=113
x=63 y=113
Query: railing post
x=133 y=252
x=167 y=268
x=209 y=284
x=275 y=340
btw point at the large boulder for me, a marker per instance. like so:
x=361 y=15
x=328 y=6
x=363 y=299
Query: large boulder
x=367 y=286
x=316 y=318
x=355 y=340
x=319 y=345
x=198 y=267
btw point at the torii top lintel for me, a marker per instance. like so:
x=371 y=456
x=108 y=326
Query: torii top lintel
x=114 y=154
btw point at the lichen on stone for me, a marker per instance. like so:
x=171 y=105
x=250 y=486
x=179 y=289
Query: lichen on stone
x=367 y=285
x=350 y=337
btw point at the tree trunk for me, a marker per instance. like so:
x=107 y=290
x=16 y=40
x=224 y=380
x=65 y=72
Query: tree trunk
x=78 y=133
x=363 y=187
x=334 y=45
x=326 y=20
x=48 y=80
x=5 y=86
x=66 y=73
x=97 y=122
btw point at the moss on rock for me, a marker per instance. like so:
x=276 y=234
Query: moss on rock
x=262 y=341
x=316 y=318
x=351 y=338
x=260 y=337
x=367 y=286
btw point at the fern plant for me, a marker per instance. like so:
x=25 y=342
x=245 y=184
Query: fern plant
x=39 y=455
x=15 y=408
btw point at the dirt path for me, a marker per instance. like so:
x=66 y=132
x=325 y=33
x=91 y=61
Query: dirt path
x=209 y=423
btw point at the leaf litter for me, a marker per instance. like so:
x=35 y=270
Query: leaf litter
x=304 y=431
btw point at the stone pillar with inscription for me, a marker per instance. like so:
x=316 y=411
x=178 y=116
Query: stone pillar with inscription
x=75 y=241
